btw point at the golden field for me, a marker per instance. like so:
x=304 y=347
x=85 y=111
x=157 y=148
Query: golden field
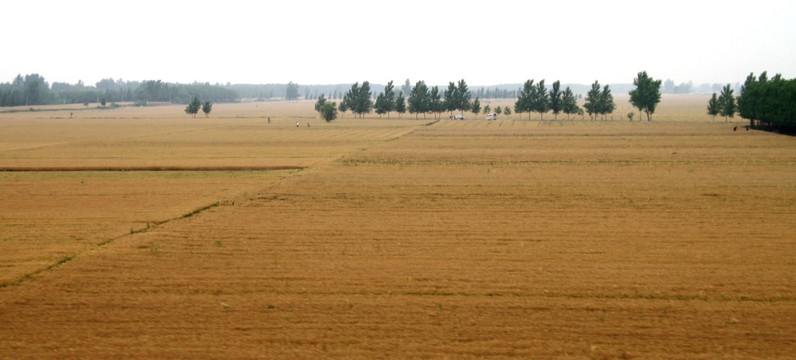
x=394 y=238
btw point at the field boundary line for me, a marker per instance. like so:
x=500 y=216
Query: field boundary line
x=147 y=168
x=302 y=171
x=149 y=226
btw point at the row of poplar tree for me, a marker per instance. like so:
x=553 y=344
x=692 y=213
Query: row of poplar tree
x=457 y=97
x=764 y=102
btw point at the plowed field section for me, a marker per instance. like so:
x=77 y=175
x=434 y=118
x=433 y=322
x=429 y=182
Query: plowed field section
x=584 y=241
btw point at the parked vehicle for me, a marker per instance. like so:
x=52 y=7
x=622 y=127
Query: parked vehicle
x=491 y=116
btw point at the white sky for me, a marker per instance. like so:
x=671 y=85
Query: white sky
x=322 y=42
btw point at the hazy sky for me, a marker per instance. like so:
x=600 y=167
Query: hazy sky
x=319 y=42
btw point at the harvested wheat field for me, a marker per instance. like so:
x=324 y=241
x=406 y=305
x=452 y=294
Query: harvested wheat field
x=401 y=239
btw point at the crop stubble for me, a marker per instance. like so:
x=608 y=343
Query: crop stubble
x=458 y=240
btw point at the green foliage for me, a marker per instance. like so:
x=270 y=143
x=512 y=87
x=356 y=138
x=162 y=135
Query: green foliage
x=462 y=96
x=475 y=107
x=727 y=107
x=568 y=103
x=771 y=101
x=507 y=110
x=400 y=103
x=436 y=105
x=556 y=103
x=598 y=102
x=207 y=107
x=193 y=107
x=524 y=101
x=540 y=99
x=320 y=102
x=487 y=109
x=419 y=99
x=364 y=102
x=592 y=104
x=498 y=110
x=713 y=106
x=291 y=91
x=646 y=95
x=357 y=99
x=607 y=104
x=749 y=102
x=389 y=97
x=329 y=111
x=450 y=97
x=381 y=106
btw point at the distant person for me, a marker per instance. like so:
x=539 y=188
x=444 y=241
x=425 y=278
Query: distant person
x=735 y=128
x=70 y=115
x=308 y=124
x=297 y=124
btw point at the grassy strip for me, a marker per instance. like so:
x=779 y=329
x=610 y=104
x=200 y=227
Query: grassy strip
x=66 y=259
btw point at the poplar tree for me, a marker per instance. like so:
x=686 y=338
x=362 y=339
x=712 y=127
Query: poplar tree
x=364 y=102
x=750 y=100
x=207 y=107
x=646 y=95
x=524 y=100
x=400 y=104
x=320 y=102
x=381 y=106
x=436 y=105
x=450 y=97
x=389 y=98
x=556 y=103
x=727 y=106
x=193 y=107
x=357 y=99
x=592 y=104
x=541 y=99
x=568 y=103
x=463 y=96
x=291 y=91
x=419 y=99
x=607 y=104
x=713 y=106
x=475 y=107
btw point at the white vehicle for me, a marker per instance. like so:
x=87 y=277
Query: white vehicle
x=457 y=117
x=491 y=116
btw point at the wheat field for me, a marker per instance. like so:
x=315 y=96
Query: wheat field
x=400 y=238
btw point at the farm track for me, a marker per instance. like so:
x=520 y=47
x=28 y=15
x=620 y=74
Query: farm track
x=397 y=249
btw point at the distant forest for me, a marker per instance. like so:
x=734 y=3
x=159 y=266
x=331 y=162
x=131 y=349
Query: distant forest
x=33 y=89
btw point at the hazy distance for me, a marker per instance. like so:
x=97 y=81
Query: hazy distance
x=332 y=42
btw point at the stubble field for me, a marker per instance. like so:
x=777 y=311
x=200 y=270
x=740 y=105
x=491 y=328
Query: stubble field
x=393 y=238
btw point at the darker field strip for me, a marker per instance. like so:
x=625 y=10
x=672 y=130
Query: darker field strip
x=147 y=168
x=469 y=163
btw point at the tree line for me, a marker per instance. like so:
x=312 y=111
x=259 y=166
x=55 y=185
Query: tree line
x=457 y=97
x=33 y=89
x=766 y=103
